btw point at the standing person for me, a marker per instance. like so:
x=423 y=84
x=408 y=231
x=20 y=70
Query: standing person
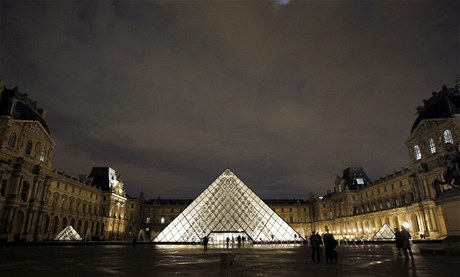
x=228 y=240
x=205 y=242
x=315 y=242
x=399 y=242
x=329 y=244
x=405 y=237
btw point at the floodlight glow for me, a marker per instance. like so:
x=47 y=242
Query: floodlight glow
x=406 y=225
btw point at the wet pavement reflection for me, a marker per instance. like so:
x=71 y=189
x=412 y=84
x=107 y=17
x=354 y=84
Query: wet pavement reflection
x=193 y=260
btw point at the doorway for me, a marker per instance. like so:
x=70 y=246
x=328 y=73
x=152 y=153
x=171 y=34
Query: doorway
x=220 y=238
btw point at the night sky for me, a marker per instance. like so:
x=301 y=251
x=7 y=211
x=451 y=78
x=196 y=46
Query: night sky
x=287 y=94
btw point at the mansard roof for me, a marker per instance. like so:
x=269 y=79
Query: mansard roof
x=355 y=178
x=443 y=104
x=20 y=106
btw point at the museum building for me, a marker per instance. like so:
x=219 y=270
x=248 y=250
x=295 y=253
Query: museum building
x=37 y=202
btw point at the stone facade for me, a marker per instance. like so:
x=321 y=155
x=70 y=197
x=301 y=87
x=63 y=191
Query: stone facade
x=37 y=202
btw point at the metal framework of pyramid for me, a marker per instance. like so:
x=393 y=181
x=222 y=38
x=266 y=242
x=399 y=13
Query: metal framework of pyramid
x=68 y=233
x=228 y=205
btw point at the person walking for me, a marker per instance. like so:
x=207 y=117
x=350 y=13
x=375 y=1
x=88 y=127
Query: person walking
x=399 y=242
x=315 y=242
x=405 y=237
x=329 y=244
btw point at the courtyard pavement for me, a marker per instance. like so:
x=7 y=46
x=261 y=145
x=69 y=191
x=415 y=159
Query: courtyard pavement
x=193 y=260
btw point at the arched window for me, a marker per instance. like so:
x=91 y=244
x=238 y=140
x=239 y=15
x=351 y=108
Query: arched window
x=28 y=148
x=43 y=154
x=448 y=137
x=12 y=140
x=418 y=153
x=24 y=191
x=432 y=146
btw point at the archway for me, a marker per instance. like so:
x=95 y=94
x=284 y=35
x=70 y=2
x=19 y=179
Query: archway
x=45 y=226
x=64 y=223
x=55 y=227
x=18 y=225
x=141 y=236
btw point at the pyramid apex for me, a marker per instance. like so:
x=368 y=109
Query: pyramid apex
x=228 y=172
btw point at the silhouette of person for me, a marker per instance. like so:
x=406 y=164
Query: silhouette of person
x=205 y=242
x=329 y=244
x=399 y=242
x=315 y=242
x=228 y=241
x=405 y=237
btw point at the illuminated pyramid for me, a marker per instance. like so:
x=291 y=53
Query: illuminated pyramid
x=386 y=232
x=68 y=233
x=228 y=205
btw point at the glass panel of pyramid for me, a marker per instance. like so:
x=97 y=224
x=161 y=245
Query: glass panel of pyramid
x=228 y=205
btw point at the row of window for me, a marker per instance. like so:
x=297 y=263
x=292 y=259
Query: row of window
x=162 y=220
x=28 y=150
x=387 y=203
x=447 y=139
x=22 y=194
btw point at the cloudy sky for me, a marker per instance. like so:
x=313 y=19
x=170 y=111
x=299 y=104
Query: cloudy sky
x=286 y=94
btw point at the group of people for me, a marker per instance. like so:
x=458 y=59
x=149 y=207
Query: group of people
x=330 y=244
x=402 y=239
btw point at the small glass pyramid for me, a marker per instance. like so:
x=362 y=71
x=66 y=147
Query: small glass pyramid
x=386 y=232
x=228 y=206
x=68 y=233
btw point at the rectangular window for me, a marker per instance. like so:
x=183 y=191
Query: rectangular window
x=147 y=220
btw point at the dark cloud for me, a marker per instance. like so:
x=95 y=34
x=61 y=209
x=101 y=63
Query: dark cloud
x=171 y=93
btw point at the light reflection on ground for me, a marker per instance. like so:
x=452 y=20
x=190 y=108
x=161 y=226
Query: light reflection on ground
x=193 y=260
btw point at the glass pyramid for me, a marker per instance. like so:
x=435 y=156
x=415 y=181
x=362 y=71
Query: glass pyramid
x=68 y=233
x=228 y=206
x=386 y=232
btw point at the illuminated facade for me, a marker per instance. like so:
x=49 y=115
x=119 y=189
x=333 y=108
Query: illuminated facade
x=359 y=207
x=227 y=208
x=37 y=202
